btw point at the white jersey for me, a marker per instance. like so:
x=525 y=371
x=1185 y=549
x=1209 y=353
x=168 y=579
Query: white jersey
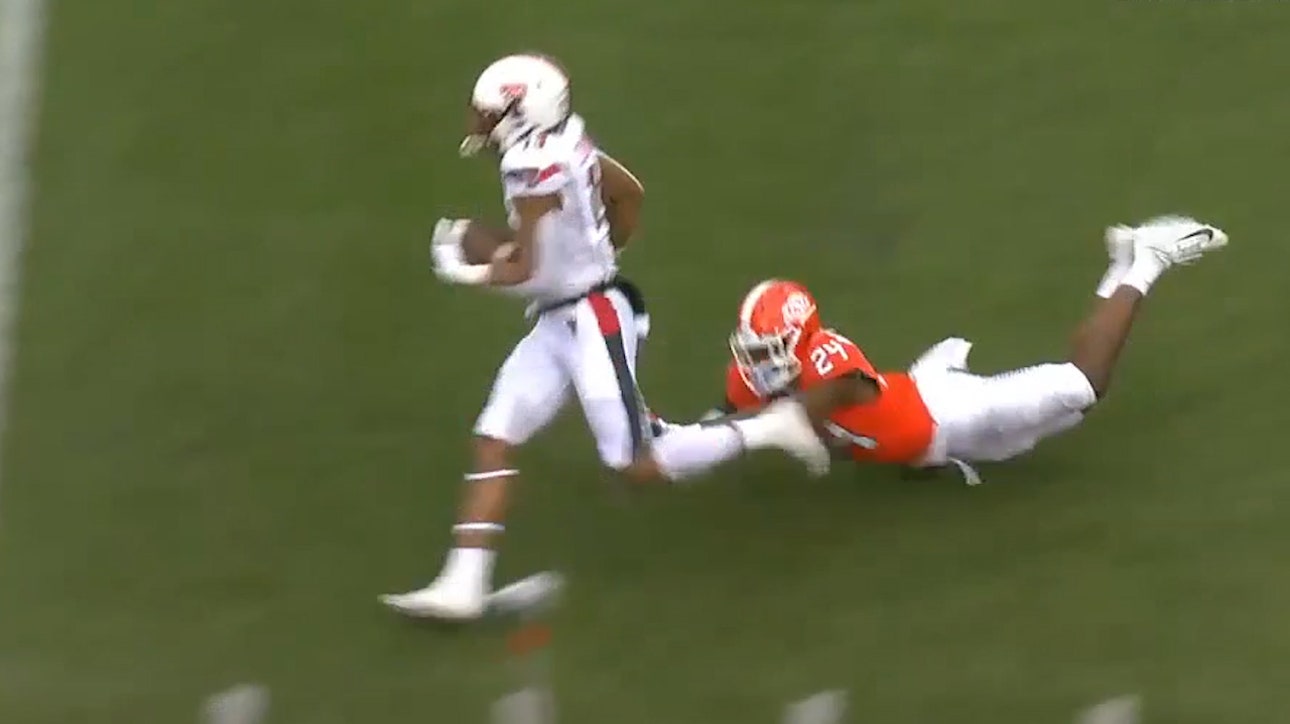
x=573 y=249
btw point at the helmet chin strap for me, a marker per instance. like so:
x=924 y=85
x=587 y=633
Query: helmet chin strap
x=472 y=145
x=476 y=142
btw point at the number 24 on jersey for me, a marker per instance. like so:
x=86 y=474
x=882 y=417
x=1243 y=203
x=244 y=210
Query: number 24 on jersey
x=823 y=356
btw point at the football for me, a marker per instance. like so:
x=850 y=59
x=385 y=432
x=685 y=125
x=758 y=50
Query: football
x=481 y=243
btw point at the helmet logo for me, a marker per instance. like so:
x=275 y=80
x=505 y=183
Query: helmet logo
x=796 y=308
x=514 y=91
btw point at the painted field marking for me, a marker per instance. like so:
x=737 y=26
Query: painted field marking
x=22 y=40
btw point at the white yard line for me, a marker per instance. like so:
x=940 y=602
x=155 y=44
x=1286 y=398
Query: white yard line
x=243 y=704
x=533 y=705
x=22 y=34
x=1122 y=710
x=826 y=707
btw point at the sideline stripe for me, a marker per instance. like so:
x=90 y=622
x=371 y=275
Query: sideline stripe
x=22 y=36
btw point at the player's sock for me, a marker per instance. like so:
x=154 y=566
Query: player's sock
x=469 y=567
x=1119 y=246
x=1112 y=279
x=689 y=450
x=1143 y=273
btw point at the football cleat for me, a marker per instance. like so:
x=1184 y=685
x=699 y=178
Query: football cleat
x=439 y=600
x=947 y=355
x=1177 y=240
x=790 y=430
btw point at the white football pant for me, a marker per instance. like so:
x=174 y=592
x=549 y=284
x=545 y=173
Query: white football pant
x=587 y=348
x=996 y=417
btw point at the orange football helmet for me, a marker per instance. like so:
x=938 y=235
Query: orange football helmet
x=775 y=318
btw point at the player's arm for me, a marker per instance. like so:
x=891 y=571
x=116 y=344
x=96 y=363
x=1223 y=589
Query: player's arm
x=534 y=182
x=517 y=266
x=623 y=195
x=849 y=388
x=836 y=374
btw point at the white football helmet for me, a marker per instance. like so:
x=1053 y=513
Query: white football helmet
x=515 y=96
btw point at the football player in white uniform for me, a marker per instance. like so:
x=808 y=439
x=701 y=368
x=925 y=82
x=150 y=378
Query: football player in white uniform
x=571 y=208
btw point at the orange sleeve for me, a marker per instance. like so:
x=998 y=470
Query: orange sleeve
x=738 y=394
x=829 y=355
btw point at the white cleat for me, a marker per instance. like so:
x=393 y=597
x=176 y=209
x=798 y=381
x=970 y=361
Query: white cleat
x=791 y=431
x=1177 y=240
x=950 y=354
x=1119 y=244
x=439 y=601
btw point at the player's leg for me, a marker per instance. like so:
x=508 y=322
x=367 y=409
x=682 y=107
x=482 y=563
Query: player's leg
x=1139 y=256
x=1100 y=338
x=684 y=452
x=601 y=354
x=1034 y=403
x=530 y=388
x=604 y=373
x=604 y=358
x=1000 y=416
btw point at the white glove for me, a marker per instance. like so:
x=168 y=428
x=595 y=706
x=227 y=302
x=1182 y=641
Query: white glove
x=446 y=258
x=448 y=232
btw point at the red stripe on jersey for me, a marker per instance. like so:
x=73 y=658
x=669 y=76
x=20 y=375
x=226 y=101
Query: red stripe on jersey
x=606 y=315
x=545 y=174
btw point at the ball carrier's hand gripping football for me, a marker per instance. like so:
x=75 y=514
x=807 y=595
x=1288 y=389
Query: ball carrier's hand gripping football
x=447 y=259
x=463 y=252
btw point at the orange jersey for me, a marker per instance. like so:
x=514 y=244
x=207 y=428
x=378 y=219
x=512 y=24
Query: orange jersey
x=894 y=428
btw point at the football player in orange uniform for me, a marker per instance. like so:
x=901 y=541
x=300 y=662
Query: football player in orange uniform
x=873 y=417
x=938 y=412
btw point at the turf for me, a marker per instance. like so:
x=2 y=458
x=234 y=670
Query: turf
x=241 y=400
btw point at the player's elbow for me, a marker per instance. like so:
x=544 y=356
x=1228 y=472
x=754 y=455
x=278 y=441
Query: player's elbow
x=619 y=183
x=633 y=193
x=631 y=198
x=624 y=217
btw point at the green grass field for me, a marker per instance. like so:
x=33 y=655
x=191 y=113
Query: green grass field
x=241 y=400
